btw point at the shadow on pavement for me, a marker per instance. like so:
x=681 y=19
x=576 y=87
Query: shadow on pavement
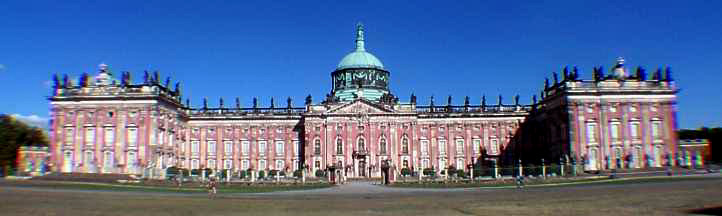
x=707 y=211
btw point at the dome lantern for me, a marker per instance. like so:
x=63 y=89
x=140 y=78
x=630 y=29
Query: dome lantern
x=360 y=58
x=360 y=74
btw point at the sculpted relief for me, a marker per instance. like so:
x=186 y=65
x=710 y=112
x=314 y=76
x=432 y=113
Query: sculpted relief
x=365 y=78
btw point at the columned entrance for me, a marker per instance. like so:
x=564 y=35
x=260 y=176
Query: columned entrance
x=361 y=166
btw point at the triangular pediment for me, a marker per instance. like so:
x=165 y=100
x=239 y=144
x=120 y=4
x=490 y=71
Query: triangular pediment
x=359 y=106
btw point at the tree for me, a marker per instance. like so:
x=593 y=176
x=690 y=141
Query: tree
x=14 y=134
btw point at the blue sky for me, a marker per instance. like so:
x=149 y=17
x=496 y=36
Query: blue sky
x=274 y=48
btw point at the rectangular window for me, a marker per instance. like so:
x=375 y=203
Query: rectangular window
x=109 y=136
x=655 y=129
x=442 y=146
x=279 y=148
x=227 y=164
x=442 y=164
x=89 y=136
x=424 y=163
x=477 y=146
x=262 y=147
x=494 y=147
x=591 y=132
x=317 y=147
x=424 y=146
x=405 y=146
x=634 y=130
x=132 y=136
x=212 y=164
x=69 y=136
x=132 y=160
x=228 y=147
x=195 y=146
x=244 y=164
x=245 y=147
x=170 y=139
x=161 y=137
x=297 y=149
x=194 y=164
x=279 y=165
x=108 y=161
x=211 y=147
x=261 y=164
x=88 y=159
x=614 y=131
x=459 y=146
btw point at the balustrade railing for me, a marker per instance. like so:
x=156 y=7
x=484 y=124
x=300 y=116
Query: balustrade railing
x=245 y=111
x=473 y=109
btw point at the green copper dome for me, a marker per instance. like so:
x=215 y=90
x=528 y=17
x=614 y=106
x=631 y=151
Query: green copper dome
x=359 y=58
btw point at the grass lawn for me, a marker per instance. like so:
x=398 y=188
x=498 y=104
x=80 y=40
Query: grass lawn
x=187 y=188
x=546 y=183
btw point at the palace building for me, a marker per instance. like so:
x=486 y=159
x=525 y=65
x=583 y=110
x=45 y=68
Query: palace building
x=101 y=124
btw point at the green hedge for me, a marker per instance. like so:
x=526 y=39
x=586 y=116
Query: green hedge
x=460 y=173
x=508 y=171
x=172 y=171
x=405 y=171
x=429 y=172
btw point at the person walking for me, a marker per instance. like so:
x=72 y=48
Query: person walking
x=212 y=190
x=520 y=181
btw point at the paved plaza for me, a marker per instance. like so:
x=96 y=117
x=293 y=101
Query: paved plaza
x=364 y=198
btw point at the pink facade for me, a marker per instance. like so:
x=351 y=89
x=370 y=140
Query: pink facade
x=114 y=126
x=618 y=121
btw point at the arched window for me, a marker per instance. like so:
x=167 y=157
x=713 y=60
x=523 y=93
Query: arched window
x=361 y=144
x=339 y=146
x=382 y=146
x=317 y=147
x=405 y=145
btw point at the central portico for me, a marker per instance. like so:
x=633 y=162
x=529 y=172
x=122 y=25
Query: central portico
x=359 y=135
